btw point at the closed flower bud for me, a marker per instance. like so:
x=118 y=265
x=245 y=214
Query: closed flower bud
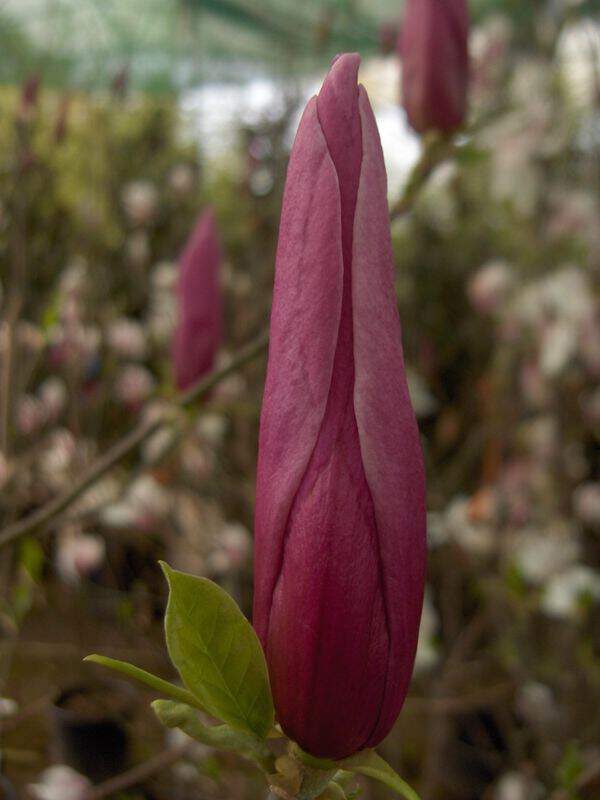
x=435 y=63
x=29 y=96
x=199 y=325
x=340 y=507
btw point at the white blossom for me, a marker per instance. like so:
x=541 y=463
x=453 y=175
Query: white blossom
x=60 y=783
x=566 y=592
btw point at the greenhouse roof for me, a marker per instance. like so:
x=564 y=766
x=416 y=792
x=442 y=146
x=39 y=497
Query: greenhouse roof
x=170 y=44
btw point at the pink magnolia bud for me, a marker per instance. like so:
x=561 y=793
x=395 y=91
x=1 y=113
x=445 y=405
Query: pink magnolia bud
x=340 y=507
x=62 y=119
x=199 y=325
x=30 y=95
x=435 y=63
x=119 y=83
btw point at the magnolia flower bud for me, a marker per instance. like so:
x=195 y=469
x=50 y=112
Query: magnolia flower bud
x=433 y=48
x=199 y=327
x=489 y=286
x=134 y=385
x=140 y=200
x=30 y=96
x=340 y=506
x=79 y=555
x=127 y=338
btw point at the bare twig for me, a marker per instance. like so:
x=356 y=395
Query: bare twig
x=462 y=704
x=435 y=150
x=139 y=773
x=126 y=445
x=463 y=646
x=34 y=709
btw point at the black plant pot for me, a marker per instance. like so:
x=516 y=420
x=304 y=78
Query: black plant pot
x=89 y=726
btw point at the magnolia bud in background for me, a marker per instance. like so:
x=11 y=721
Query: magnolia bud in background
x=388 y=37
x=489 y=287
x=140 y=201
x=62 y=119
x=199 y=314
x=433 y=48
x=127 y=338
x=120 y=82
x=29 y=96
x=340 y=505
x=79 y=555
x=134 y=385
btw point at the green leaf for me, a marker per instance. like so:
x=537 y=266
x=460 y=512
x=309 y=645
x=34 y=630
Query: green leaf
x=368 y=763
x=333 y=792
x=217 y=653
x=137 y=674
x=221 y=737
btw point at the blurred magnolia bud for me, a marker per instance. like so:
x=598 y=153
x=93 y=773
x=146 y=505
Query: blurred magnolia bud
x=127 y=338
x=232 y=553
x=488 y=289
x=517 y=786
x=199 y=328
x=53 y=397
x=433 y=47
x=236 y=541
x=212 y=428
x=30 y=414
x=30 y=337
x=8 y=707
x=473 y=537
x=100 y=494
x=182 y=179
x=261 y=181
x=232 y=387
x=56 y=459
x=196 y=460
x=62 y=119
x=74 y=278
x=78 y=555
x=140 y=201
x=137 y=248
x=74 y=344
x=541 y=554
x=568 y=593
x=586 y=503
x=158 y=445
x=535 y=703
x=558 y=346
x=144 y=504
x=162 y=318
x=60 y=783
x=120 y=82
x=489 y=48
x=134 y=385
x=29 y=96
x=164 y=276
x=388 y=37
